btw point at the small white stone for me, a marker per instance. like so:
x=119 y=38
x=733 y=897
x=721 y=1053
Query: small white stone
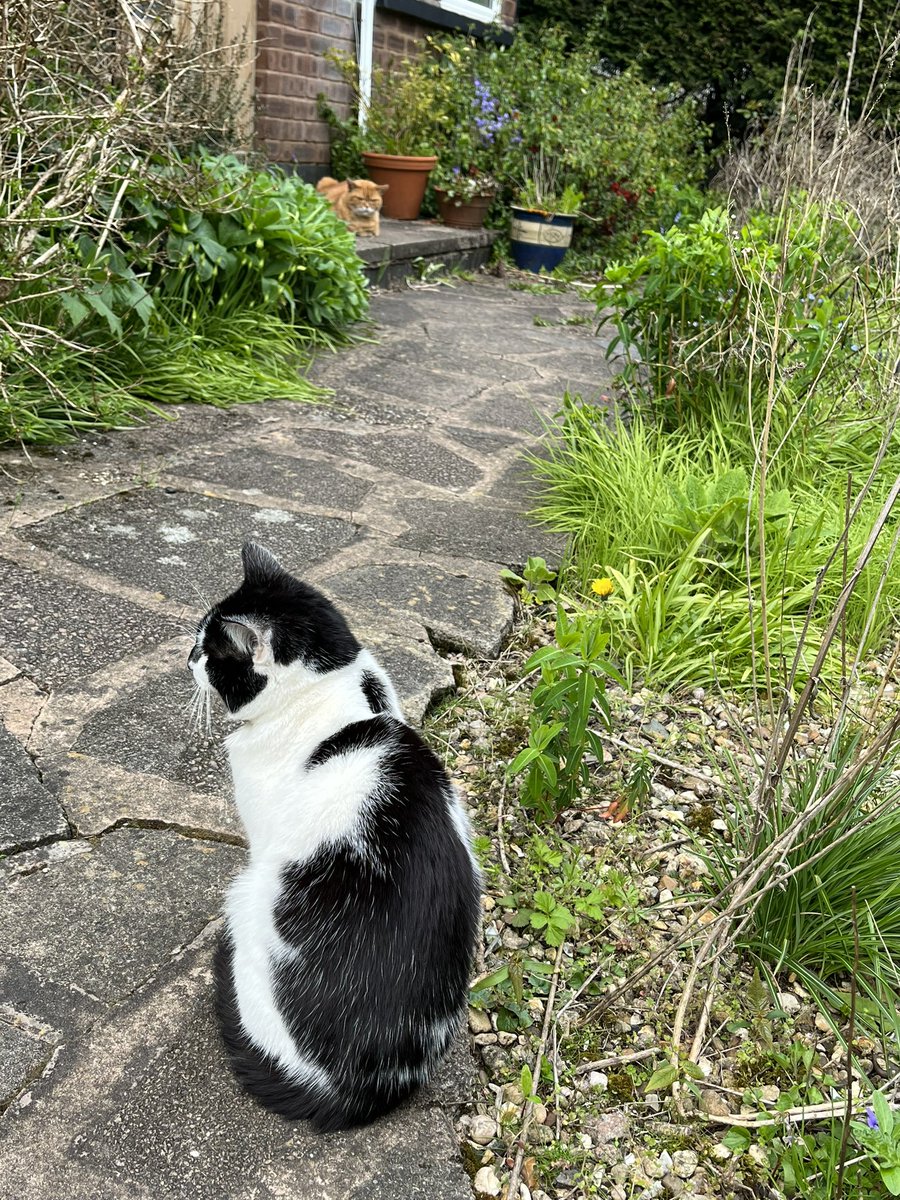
x=666 y=896
x=757 y=1155
x=720 y=1153
x=684 y=1163
x=598 y=1080
x=665 y=1162
x=486 y=1182
x=540 y=1114
x=789 y=1002
x=482 y=1129
x=479 y=1022
x=505 y=1038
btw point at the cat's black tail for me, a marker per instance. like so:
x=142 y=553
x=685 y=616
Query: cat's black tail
x=271 y=1087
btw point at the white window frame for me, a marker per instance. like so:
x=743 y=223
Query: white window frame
x=486 y=13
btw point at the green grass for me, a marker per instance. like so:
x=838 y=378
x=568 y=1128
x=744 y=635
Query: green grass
x=243 y=357
x=670 y=517
x=804 y=924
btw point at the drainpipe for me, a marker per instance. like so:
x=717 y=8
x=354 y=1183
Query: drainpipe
x=366 y=36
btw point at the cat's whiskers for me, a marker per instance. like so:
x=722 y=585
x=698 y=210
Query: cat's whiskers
x=200 y=710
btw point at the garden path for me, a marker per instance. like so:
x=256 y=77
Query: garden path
x=401 y=499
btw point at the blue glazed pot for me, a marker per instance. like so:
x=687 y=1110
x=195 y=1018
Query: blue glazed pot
x=539 y=240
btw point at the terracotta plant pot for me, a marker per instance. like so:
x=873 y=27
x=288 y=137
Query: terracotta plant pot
x=539 y=240
x=466 y=214
x=405 y=176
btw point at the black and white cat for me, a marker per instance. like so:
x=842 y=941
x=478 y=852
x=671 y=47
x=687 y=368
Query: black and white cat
x=343 y=969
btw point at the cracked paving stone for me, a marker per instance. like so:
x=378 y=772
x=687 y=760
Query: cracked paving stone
x=58 y=632
x=21 y=1057
x=462 y=608
x=149 y=730
x=412 y=456
x=151 y=1101
x=91 y=924
x=518 y=412
x=253 y=469
x=183 y=545
x=481 y=440
x=28 y=814
x=485 y=531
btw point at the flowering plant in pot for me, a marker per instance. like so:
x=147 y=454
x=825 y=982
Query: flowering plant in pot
x=398 y=135
x=480 y=132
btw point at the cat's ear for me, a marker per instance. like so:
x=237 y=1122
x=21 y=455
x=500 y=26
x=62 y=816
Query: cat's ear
x=250 y=638
x=260 y=567
x=382 y=187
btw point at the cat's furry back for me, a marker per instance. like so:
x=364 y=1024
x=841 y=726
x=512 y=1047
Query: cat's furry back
x=356 y=201
x=343 y=970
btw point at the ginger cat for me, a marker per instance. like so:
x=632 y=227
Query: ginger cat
x=356 y=201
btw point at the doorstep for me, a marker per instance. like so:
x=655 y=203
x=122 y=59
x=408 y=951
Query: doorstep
x=389 y=258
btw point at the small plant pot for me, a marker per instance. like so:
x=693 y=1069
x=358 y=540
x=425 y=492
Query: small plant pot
x=462 y=214
x=405 y=176
x=539 y=240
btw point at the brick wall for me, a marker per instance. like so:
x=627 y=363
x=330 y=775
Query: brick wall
x=291 y=69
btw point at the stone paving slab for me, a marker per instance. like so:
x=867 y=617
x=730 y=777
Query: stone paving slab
x=460 y=605
x=254 y=470
x=488 y=531
x=91 y=924
x=403 y=454
x=57 y=632
x=21 y=1058
x=149 y=731
x=28 y=814
x=177 y=543
x=150 y=1109
x=402 y=497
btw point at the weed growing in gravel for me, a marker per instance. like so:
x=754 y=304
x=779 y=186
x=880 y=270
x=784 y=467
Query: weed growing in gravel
x=561 y=743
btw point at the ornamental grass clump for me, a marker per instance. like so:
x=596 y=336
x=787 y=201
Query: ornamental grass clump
x=137 y=268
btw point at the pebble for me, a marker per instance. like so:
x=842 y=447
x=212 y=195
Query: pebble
x=789 y=1002
x=541 y=1135
x=684 y=1163
x=713 y=1104
x=507 y=1038
x=540 y=1112
x=486 y=1182
x=485 y=1039
x=482 y=1129
x=598 y=1080
x=720 y=1153
x=479 y=1022
x=757 y=1155
x=666 y=896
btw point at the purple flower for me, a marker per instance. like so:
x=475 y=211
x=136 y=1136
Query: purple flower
x=871 y=1119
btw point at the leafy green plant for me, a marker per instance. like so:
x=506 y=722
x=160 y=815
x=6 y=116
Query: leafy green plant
x=851 y=824
x=536 y=583
x=705 y=300
x=573 y=675
x=880 y=1137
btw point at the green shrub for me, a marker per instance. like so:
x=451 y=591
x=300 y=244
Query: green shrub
x=214 y=281
x=742 y=72
x=705 y=305
x=252 y=238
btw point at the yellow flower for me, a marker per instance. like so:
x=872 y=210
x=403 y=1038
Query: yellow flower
x=602 y=587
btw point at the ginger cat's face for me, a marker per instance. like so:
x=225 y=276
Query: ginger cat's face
x=356 y=201
x=364 y=198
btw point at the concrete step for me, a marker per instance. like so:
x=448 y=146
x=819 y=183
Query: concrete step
x=390 y=257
